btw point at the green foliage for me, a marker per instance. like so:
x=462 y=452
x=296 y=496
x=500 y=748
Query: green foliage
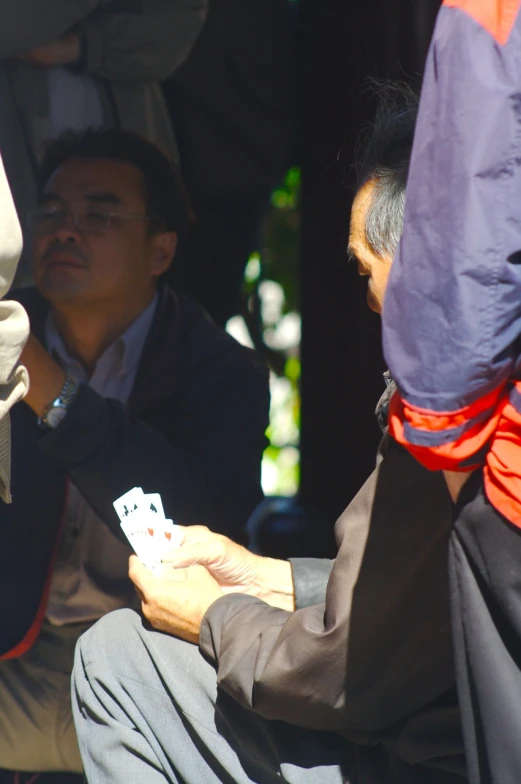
x=278 y=262
x=280 y=238
x=271 y=290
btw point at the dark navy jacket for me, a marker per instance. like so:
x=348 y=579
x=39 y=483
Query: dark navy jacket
x=193 y=431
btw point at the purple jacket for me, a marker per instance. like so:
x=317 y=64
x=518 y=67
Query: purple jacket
x=452 y=312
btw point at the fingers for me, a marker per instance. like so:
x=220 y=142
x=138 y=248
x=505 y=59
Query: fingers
x=188 y=555
x=139 y=574
x=199 y=545
x=196 y=533
x=194 y=573
x=172 y=575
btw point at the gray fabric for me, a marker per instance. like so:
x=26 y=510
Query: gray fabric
x=36 y=726
x=310 y=578
x=155 y=715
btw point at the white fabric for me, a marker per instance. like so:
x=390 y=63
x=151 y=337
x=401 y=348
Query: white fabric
x=14 y=330
x=91 y=573
x=74 y=101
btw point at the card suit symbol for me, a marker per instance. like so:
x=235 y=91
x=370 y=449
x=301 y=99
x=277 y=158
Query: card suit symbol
x=168 y=535
x=153 y=508
x=151 y=531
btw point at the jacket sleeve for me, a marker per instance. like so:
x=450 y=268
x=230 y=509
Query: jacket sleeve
x=148 y=40
x=379 y=648
x=452 y=310
x=207 y=467
x=27 y=24
x=310 y=579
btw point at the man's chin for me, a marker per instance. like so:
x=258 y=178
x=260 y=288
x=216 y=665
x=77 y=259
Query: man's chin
x=373 y=302
x=58 y=287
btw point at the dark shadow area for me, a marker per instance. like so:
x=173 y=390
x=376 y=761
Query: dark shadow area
x=341 y=45
x=400 y=660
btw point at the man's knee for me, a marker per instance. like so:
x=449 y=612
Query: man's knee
x=121 y=647
x=113 y=637
x=122 y=644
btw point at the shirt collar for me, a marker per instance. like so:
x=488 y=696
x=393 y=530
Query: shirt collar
x=124 y=352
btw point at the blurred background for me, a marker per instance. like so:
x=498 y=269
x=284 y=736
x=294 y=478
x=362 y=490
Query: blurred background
x=261 y=102
x=303 y=305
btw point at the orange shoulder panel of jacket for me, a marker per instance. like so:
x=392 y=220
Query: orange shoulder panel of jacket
x=497 y=17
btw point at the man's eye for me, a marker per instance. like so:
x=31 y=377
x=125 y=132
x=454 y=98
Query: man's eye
x=49 y=213
x=96 y=218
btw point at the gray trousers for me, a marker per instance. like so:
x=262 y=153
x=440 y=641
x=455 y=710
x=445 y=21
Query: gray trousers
x=36 y=726
x=147 y=709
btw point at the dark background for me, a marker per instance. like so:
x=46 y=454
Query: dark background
x=341 y=43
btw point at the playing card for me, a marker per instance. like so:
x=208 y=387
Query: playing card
x=129 y=503
x=143 y=523
x=169 y=535
x=153 y=503
x=142 y=543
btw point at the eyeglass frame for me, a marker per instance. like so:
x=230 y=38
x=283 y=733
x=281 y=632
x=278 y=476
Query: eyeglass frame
x=76 y=214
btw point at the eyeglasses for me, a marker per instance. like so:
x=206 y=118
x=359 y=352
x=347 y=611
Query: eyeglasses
x=45 y=220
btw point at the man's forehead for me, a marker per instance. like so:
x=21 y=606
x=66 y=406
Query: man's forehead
x=118 y=180
x=361 y=202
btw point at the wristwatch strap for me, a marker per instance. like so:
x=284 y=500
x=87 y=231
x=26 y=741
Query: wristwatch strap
x=67 y=395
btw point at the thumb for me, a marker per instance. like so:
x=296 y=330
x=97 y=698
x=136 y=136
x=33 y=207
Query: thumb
x=139 y=574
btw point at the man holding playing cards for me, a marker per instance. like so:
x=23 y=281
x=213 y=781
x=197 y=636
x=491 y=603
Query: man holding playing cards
x=131 y=386
x=249 y=669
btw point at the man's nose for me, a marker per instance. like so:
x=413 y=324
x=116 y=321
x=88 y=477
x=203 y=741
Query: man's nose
x=67 y=231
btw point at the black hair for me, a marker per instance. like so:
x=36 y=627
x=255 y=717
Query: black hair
x=383 y=155
x=165 y=196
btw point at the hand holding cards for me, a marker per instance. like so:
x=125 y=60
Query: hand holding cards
x=144 y=524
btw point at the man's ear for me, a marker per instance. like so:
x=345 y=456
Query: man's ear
x=165 y=246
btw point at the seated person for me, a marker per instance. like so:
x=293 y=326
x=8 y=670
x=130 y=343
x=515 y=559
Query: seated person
x=311 y=671
x=130 y=385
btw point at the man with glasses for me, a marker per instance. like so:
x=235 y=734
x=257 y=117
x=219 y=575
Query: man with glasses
x=130 y=385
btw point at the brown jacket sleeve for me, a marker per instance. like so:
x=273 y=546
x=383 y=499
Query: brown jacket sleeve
x=379 y=649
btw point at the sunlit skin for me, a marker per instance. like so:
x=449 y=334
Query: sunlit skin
x=370 y=264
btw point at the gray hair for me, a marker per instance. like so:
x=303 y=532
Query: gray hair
x=384 y=154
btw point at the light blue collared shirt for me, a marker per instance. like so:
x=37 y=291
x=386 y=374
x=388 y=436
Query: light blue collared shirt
x=91 y=573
